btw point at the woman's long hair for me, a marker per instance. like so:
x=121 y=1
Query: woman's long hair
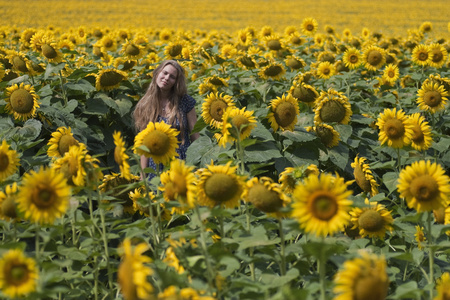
x=149 y=106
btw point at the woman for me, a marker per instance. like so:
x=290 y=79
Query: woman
x=166 y=99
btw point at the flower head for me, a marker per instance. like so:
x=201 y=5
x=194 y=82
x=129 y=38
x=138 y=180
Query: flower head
x=22 y=101
x=18 y=274
x=283 y=112
x=396 y=129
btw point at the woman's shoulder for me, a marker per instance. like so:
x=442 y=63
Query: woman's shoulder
x=187 y=103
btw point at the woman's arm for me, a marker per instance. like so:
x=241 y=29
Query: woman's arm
x=144 y=164
x=192 y=119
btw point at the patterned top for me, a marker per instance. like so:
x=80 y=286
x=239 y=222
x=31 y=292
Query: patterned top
x=187 y=103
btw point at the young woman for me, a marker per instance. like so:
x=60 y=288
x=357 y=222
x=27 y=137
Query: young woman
x=166 y=99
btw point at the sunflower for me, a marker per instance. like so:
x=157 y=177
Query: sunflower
x=206 y=88
x=372 y=221
x=174 y=49
x=332 y=106
x=294 y=62
x=18 y=274
x=395 y=128
x=25 y=37
x=9 y=161
x=290 y=176
x=304 y=92
x=228 y=51
x=296 y=39
x=220 y=185
x=132 y=50
x=283 y=113
x=321 y=204
x=43 y=195
x=214 y=107
x=266 y=195
x=217 y=81
x=424 y=186
x=391 y=74
x=8 y=204
x=21 y=101
x=326 y=133
x=309 y=26
x=432 y=97
x=364 y=277
x=107 y=43
x=178 y=184
x=352 y=58
x=325 y=70
x=363 y=176
x=419 y=236
x=18 y=61
x=132 y=272
x=50 y=50
x=273 y=42
x=421 y=55
x=60 y=142
x=117 y=188
x=426 y=27
x=161 y=142
x=421 y=139
x=246 y=61
x=236 y=124
x=109 y=79
x=266 y=31
x=443 y=287
x=438 y=55
x=273 y=70
x=120 y=155
x=374 y=58
x=124 y=64
x=244 y=38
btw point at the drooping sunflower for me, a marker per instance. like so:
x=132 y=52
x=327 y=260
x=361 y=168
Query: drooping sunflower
x=236 y=124
x=352 y=58
x=321 y=204
x=18 y=274
x=109 y=79
x=374 y=57
x=424 y=186
x=214 y=107
x=325 y=70
x=326 y=133
x=120 y=155
x=132 y=272
x=372 y=221
x=419 y=236
x=422 y=137
x=8 y=204
x=332 y=107
x=309 y=26
x=438 y=55
x=273 y=42
x=395 y=128
x=266 y=195
x=21 y=101
x=9 y=161
x=174 y=49
x=363 y=277
x=363 y=176
x=124 y=64
x=117 y=188
x=283 y=113
x=246 y=61
x=207 y=88
x=443 y=287
x=217 y=81
x=50 y=50
x=294 y=62
x=178 y=184
x=60 y=142
x=290 y=176
x=432 y=97
x=304 y=92
x=18 y=60
x=273 y=70
x=132 y=50
x=220 y=185
x=43 y=195
x=161 y=142
x=421 y=55
x=391 y=74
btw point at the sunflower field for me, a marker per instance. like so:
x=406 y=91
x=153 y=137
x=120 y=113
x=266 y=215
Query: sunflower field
x=321 y=170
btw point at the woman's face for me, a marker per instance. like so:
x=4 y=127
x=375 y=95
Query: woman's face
x=167 y=78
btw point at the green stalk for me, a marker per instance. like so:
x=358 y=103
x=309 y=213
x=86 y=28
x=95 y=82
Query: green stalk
x=321 y=265
x=282 y=248
x=210 y=273
x=105 y=245
x=37 y=246
x=430 y=255
x=63 y=91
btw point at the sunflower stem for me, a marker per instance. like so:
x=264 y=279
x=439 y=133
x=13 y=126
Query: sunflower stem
x=430 y=254
x=63 y=91
x=398 y=160
x=282 y=248
x=37 y=249
x=105 y=245
x=321 y=262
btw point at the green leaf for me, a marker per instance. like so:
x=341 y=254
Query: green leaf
x=390 y=181
x=82 y=85
x=299 y=136
x=339 y=156
x=30 y=129
x=407 y=290
x=53 y=69
x=263 y=151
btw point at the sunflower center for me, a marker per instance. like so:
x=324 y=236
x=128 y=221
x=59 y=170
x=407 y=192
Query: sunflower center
x=4 y=161
x=310 y=27
x=18 y=274
x=43 y=197
x=394 y=128
x=247 y=61
x=418 y=136
x=65 y=142
x=179 y=183
x=132 y=50
x=285 y=114
x=238 y=121
x=221 y=187
x=157 y=142
x=22 y=101
x=108 y=43
x=432 y=98
x=19 y=64
x=294 y=63
x=110 y=78
x=332 y=111
x=391 y=74
x=273 y=70
x=324 y=205
x=274 y=45
x=49 y=51
x=374 y=57
x=437 y=56
x=326 y=71
x=424 y=188
x=216 y=81
x=118 y=155
x=353 y=58
x=304 y=94
x=361 y=180
x=423 y=56
x=370 y=287
x=8 y=207
x=169 y=190
x=325 y=134
x=175 y=50
x=371 y=221
x=296 y=40
x=264 y=199
x=217 y=109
